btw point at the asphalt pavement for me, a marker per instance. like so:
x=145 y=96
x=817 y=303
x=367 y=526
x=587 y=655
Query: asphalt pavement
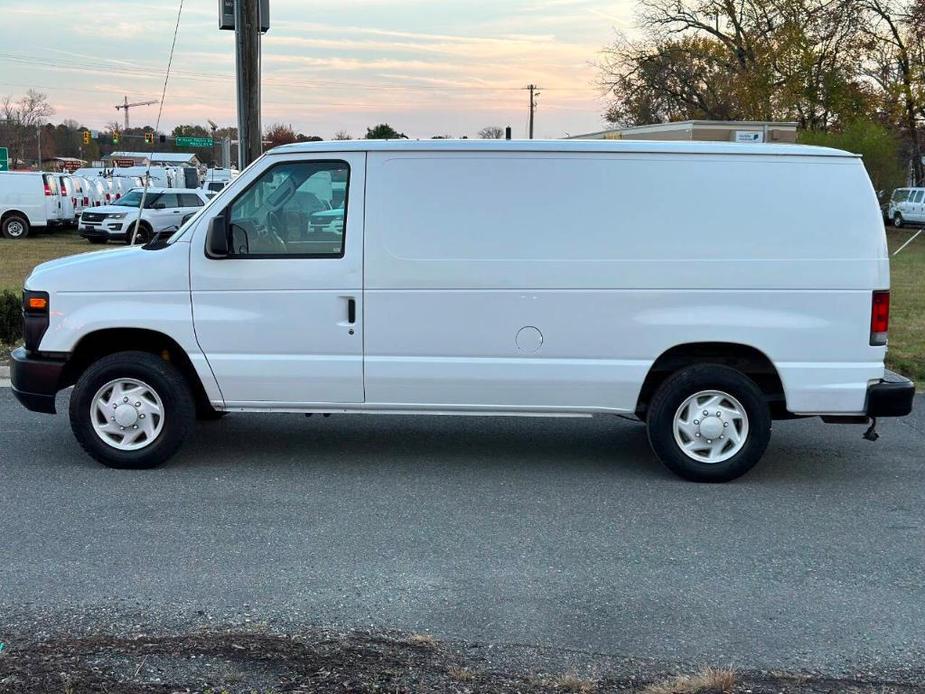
x=562 y=533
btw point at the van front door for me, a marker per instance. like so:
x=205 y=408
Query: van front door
x=280 y=319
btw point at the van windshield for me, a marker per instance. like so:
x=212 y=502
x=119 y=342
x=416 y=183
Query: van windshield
x=900 y=195
x=133 y=199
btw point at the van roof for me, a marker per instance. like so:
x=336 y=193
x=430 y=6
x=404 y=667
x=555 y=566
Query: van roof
x=621 y=146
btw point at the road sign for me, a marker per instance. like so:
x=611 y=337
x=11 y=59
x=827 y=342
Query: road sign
x=196 y=142
x=226 y=15
x=4 y=159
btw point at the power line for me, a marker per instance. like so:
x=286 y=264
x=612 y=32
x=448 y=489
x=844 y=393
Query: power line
x=157 y=125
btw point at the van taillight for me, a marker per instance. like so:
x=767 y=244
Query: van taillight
x=108 y=197
x=48 y=192
x=879 y=317
x=86 y=201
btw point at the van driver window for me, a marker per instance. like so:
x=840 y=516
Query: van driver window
x=293 y=209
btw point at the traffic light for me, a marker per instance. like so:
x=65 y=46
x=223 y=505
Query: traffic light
x=149 y=138
x=115 y=137
x=86 y=137
x=163 y=139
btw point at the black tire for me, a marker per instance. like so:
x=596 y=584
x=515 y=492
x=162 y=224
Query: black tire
x=898 y=220
x=672 y=394
x=161 y=376
x=143 y=237
x=14 y=226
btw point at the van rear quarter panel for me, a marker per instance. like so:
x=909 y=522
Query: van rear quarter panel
x=614 y=259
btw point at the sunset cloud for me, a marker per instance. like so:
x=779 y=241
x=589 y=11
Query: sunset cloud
x=450 y=67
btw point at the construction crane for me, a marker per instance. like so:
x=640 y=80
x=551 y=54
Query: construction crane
x=125 y=105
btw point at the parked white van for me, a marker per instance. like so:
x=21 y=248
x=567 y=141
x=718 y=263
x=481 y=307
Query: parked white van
x=67 y=191
x=28 y=199
x=907 y=206
x=81 y=195
x=555 y=295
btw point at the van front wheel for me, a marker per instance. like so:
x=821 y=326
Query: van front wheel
x=131 y=410
x=709 y=423
x=898 y=220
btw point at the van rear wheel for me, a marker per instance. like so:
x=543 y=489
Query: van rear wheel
x=131 y=410
x=15 y=226
x=709 y=423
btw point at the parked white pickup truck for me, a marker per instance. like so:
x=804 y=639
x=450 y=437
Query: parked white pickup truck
x=764 y=294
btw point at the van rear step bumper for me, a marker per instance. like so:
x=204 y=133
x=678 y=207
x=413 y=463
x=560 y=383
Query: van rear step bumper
x=891 y=397
x=35 y=380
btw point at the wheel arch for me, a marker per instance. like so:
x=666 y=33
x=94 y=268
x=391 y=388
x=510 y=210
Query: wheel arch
x=744 y=358
x=103 y=342
x=16 y=213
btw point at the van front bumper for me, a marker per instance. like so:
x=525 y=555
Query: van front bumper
x=892 y=396
x=35 y=380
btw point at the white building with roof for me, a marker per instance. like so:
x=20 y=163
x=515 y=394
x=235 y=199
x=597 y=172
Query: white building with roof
x=154 y=158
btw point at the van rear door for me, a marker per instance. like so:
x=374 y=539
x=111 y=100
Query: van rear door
x=280 y=320
x=52 y=197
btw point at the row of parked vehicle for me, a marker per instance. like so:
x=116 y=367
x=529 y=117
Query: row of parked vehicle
x=95 y=199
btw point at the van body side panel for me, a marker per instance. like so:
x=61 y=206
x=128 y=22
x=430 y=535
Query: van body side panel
x=112 y=298
x=540 y=279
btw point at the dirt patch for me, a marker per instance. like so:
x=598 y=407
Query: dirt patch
x=225 y=661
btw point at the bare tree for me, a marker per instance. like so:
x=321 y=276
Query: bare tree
x=742 y=59
x=342 y=135
x=21 y=119
x=896 y=64
x=492 y=132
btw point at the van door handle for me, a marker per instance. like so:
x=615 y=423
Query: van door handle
x=351 y=311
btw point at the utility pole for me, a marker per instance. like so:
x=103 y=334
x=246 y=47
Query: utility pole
x=533 y=94
x=38 y=133
x=247 y=59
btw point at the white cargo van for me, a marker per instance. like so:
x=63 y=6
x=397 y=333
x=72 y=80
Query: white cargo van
x=28 y=200
x=765 y=295
x=907 y=206
x=67 y=191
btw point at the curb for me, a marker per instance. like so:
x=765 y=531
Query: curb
x=5 y=377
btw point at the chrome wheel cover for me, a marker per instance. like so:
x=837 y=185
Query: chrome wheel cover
x=710 y=426
x=127 y=414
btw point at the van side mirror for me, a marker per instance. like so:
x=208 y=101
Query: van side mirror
x=217 y=238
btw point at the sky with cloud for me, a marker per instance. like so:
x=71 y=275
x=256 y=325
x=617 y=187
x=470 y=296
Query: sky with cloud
x=428 y=67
